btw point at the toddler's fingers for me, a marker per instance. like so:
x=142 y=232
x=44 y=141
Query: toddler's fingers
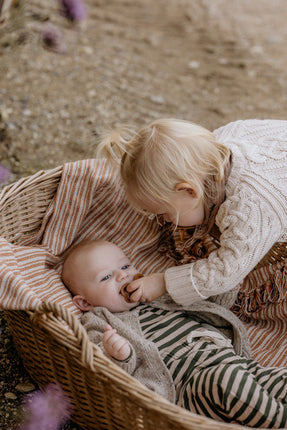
x=108 y=327
x=136 y=291
x=133 y=286
x=136 y=296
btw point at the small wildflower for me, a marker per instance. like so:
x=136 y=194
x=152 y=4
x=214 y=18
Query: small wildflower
x=74 y=10
x=53 y=39
x=46 y=410
x=5 y=174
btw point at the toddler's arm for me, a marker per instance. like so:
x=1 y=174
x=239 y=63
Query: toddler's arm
x=115 y=345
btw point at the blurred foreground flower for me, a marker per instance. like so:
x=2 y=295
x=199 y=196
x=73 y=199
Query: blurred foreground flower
x=46 y=410
x=53 y=39
x=4 y=174
x=74 y=10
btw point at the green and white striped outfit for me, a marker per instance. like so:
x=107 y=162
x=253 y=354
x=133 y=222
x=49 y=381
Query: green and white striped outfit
x=210 y=379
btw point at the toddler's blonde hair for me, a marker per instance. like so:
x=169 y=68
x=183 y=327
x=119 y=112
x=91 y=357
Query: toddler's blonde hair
x=164 y=153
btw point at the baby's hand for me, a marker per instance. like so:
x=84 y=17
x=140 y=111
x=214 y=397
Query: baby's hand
x=147 y=289
x=115 y=345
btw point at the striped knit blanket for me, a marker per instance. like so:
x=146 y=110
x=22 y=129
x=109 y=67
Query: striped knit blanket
x=90 y=204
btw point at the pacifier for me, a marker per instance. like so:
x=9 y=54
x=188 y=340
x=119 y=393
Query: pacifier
x=125 y=293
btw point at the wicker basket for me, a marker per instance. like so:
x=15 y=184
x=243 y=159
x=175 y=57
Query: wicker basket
x=103 y=395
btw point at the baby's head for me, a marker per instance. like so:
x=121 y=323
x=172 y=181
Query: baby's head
x=94 y=272
x=164 y=158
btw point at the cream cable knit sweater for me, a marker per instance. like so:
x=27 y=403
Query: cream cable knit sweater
x=252 y=218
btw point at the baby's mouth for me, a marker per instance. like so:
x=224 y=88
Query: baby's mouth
x=125 y=293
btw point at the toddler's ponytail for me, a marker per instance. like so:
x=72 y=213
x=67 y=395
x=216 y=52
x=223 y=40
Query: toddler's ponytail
x=114 y=144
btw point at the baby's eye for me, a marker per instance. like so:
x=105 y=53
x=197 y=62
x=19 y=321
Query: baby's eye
x=105 y=278
x=125 y=267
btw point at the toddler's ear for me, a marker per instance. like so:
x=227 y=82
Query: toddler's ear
x=82 y=303
x=184 y=186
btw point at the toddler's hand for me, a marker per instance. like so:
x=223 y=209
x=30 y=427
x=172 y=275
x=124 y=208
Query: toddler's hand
x=147 y=289
x=115 y=345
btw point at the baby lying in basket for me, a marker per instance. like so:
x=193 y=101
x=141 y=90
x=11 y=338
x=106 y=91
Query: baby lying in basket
x=179 y=353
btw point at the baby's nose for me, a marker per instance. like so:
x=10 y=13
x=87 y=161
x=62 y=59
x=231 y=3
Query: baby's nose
x=121 y=274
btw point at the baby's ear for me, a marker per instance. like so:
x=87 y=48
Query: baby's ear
x=82 y=303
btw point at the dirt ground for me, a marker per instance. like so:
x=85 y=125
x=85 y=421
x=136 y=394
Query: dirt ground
x=129 y=62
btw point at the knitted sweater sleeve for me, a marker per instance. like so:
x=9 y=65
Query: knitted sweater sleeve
x=95 y=327
x=249 y=227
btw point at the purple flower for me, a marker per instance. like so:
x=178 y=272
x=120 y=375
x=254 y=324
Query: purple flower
x=53 y=39
x=4 y=174
x=46 y=410
x=74 y=10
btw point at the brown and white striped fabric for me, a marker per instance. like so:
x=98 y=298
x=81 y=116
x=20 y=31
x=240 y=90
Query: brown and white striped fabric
x=90 y=203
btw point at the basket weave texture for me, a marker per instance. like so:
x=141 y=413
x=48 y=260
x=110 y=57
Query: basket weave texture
x=103 y=395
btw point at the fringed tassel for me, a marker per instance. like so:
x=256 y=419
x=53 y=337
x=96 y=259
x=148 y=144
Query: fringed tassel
x=272 y=291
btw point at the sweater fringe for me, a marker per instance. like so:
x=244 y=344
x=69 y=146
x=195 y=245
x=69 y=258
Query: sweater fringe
x=272 y=291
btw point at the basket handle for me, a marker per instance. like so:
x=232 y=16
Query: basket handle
x=44 y=311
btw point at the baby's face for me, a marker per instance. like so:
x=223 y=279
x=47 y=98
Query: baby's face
x=101 y=272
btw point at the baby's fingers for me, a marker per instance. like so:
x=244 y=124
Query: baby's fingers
x=113 y=340
x=121 y=349
x=108 y=335
x=124 y=351
x=117 y=343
